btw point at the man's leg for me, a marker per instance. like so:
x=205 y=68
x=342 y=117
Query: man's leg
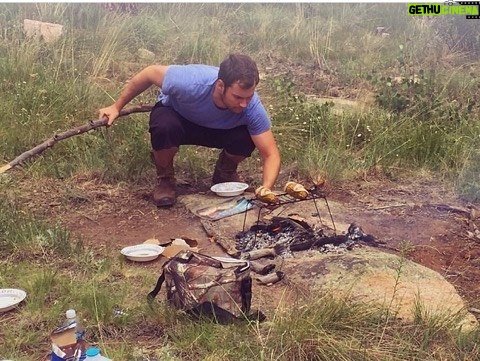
x=169 y=130
x=236 y=145
x=165 y=126
x=226 y=168
x=164 y=194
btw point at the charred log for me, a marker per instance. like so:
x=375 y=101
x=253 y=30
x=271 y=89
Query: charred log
x=284 y=235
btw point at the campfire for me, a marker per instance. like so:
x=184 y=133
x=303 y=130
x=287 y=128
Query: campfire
x=284 y=235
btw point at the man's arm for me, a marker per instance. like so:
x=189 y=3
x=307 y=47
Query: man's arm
x=151 y=75
x=266 y=145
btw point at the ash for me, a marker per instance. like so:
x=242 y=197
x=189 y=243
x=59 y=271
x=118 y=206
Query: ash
x=253 y=240
x=286 y=236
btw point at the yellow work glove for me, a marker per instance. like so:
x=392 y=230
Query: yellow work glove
x=265 y=195
x=296 y=190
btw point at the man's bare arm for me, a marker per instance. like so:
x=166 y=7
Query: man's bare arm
x=151 y=75
x=270 y=155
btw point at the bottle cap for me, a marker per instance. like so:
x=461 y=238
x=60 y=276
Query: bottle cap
x=93 y=351
x=70 y=314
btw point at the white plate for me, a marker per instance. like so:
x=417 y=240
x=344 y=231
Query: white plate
x=10 y=298
x=142 y=252
x=229 y=189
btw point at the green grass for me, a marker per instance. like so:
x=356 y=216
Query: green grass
x=58 y=273
x=51 y=87
x=431 y=126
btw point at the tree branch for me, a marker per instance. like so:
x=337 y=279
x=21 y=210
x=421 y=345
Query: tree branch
x=49 y=143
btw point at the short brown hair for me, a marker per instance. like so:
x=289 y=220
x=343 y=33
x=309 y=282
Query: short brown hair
x=239 y=68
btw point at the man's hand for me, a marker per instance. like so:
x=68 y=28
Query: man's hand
x=265 y=195
x=111 y=113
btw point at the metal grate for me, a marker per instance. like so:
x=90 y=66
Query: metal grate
x=314 y=193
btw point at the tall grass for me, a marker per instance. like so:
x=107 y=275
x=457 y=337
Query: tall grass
x=408 y=126
x=51 y=87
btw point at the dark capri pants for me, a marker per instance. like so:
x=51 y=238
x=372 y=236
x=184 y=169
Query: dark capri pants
x=169 y=129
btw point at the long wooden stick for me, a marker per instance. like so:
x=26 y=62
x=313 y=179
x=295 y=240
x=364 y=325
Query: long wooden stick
x=93 y=124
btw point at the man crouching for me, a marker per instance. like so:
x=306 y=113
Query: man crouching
x=209 y=106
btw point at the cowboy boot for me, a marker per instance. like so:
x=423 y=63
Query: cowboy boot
x=226 y=168
x=164 y=194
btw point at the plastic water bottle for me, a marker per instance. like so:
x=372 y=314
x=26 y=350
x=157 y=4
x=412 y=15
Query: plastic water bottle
x=73 y=321
x=70 y=321
x=79 y=330
x=93 y=354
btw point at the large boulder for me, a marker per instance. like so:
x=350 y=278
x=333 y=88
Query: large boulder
x=377 y=277
x=364 y=273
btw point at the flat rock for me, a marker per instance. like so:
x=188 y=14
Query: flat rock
x=382 y=278
x=365 y=273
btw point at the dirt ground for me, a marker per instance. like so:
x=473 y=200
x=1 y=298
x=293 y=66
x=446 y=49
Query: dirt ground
x=420 y=219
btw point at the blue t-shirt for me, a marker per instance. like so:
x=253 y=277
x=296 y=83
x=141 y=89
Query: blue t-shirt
x=189 y=90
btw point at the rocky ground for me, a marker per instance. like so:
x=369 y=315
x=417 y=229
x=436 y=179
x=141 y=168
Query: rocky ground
x=420 y=220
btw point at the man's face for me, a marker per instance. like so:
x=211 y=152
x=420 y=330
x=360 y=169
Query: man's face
x=235 y=98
